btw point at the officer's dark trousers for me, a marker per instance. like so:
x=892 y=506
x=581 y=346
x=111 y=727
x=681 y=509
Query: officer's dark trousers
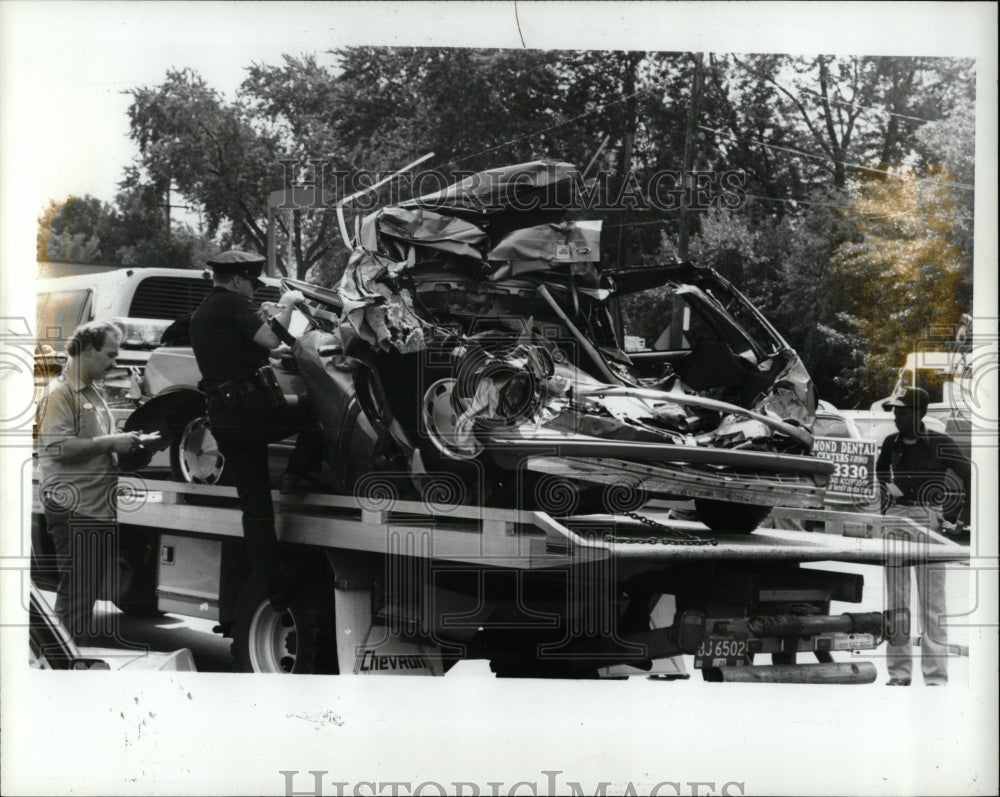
x=243 y=434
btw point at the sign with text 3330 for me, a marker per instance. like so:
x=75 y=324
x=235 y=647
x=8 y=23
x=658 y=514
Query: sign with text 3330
x=854 y=466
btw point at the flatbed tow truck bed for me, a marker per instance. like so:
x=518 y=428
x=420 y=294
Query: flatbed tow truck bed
x=411 y=587
x=513 y=538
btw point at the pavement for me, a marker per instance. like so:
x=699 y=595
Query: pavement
x=165 y=632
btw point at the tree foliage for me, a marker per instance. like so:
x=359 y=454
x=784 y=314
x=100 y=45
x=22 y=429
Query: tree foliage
x=900 y=274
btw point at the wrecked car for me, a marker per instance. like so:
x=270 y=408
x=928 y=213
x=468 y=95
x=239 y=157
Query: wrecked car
x=474 y=350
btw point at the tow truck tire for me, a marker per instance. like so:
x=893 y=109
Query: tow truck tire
x=299 y=640
x=728 y=516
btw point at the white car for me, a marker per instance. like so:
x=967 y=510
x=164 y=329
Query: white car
x=879 y=424
x=52 y=648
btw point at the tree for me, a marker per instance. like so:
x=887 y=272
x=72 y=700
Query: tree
x=189 y=137
x=78 y=230
x=899 y=274
x=948 y=146
x=142 y=239
x=294 y=105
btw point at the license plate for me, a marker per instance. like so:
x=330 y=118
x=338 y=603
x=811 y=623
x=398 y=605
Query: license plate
x=722 y=652
x=854 y=642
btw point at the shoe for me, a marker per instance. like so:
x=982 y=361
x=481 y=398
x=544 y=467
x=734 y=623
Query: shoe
x=898 y=682
x=298 y=484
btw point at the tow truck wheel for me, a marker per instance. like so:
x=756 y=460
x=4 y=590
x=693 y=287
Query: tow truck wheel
x=728 y=516
x=299 y=639
x=195 y=457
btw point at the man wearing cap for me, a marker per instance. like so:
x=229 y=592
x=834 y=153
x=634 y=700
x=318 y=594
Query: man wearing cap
x=913 y=472
x=232 y=339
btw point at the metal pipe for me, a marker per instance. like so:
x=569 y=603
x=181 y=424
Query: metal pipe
x=833 y=673
x=340 y=205
x=807 y=625
x=576 y=333
x=639 y=451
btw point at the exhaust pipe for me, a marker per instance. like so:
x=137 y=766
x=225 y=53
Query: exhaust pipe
x=833 y=673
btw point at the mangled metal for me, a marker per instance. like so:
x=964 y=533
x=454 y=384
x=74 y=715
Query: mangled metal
x=472 y=342
x=485 y=309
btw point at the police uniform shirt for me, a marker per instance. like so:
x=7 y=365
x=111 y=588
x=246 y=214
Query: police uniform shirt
x=89 y=487
x=222 y=331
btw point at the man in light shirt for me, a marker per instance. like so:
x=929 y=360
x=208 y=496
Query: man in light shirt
x=78 y=451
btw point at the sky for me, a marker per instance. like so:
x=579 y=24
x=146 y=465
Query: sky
x=67 y=67
x=63 y=130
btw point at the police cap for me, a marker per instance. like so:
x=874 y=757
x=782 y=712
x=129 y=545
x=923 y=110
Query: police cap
x=915 y=398
x=239 y=263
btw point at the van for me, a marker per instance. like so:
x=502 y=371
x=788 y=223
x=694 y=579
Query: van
x=142 y=301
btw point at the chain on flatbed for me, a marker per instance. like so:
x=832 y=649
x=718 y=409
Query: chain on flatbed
x=678 y=537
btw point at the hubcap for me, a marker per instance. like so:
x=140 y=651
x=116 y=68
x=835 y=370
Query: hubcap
x=441 y=421
x=201 y=461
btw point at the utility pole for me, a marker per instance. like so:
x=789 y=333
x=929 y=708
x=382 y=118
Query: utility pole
x=631 y=63
x=689 y=154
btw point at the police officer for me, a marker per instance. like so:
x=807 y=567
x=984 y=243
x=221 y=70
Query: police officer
x=232 y=339
x=912 y=470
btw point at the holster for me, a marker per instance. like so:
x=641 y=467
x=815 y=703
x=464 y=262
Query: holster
x=274 y=396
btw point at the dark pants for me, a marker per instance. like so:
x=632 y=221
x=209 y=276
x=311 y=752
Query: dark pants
x=243 y=434
x=86 y=558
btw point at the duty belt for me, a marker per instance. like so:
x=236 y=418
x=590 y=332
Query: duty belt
x=228 y=394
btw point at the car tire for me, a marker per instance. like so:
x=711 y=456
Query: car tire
x=728 y=516
x=299 y=639
x=194 y=454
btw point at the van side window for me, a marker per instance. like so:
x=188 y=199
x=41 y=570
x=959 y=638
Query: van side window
x=58 y=313
x=169 y=298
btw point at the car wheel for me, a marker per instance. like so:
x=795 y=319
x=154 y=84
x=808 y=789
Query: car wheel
x=729 y=516
x=195 y=457
x=299 y=639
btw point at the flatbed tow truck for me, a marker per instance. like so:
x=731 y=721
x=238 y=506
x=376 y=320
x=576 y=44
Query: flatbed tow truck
x=394 y=587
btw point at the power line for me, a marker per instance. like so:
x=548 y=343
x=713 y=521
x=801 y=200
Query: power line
x=852 y=104
x=828 y=159
x=572 y=119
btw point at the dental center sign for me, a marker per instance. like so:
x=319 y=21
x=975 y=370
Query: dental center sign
x=854 y=465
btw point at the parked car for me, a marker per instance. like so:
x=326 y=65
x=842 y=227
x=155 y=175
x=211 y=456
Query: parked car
x=472 y=346
x=52 y=648
x=832 y=422
x=878 y=424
